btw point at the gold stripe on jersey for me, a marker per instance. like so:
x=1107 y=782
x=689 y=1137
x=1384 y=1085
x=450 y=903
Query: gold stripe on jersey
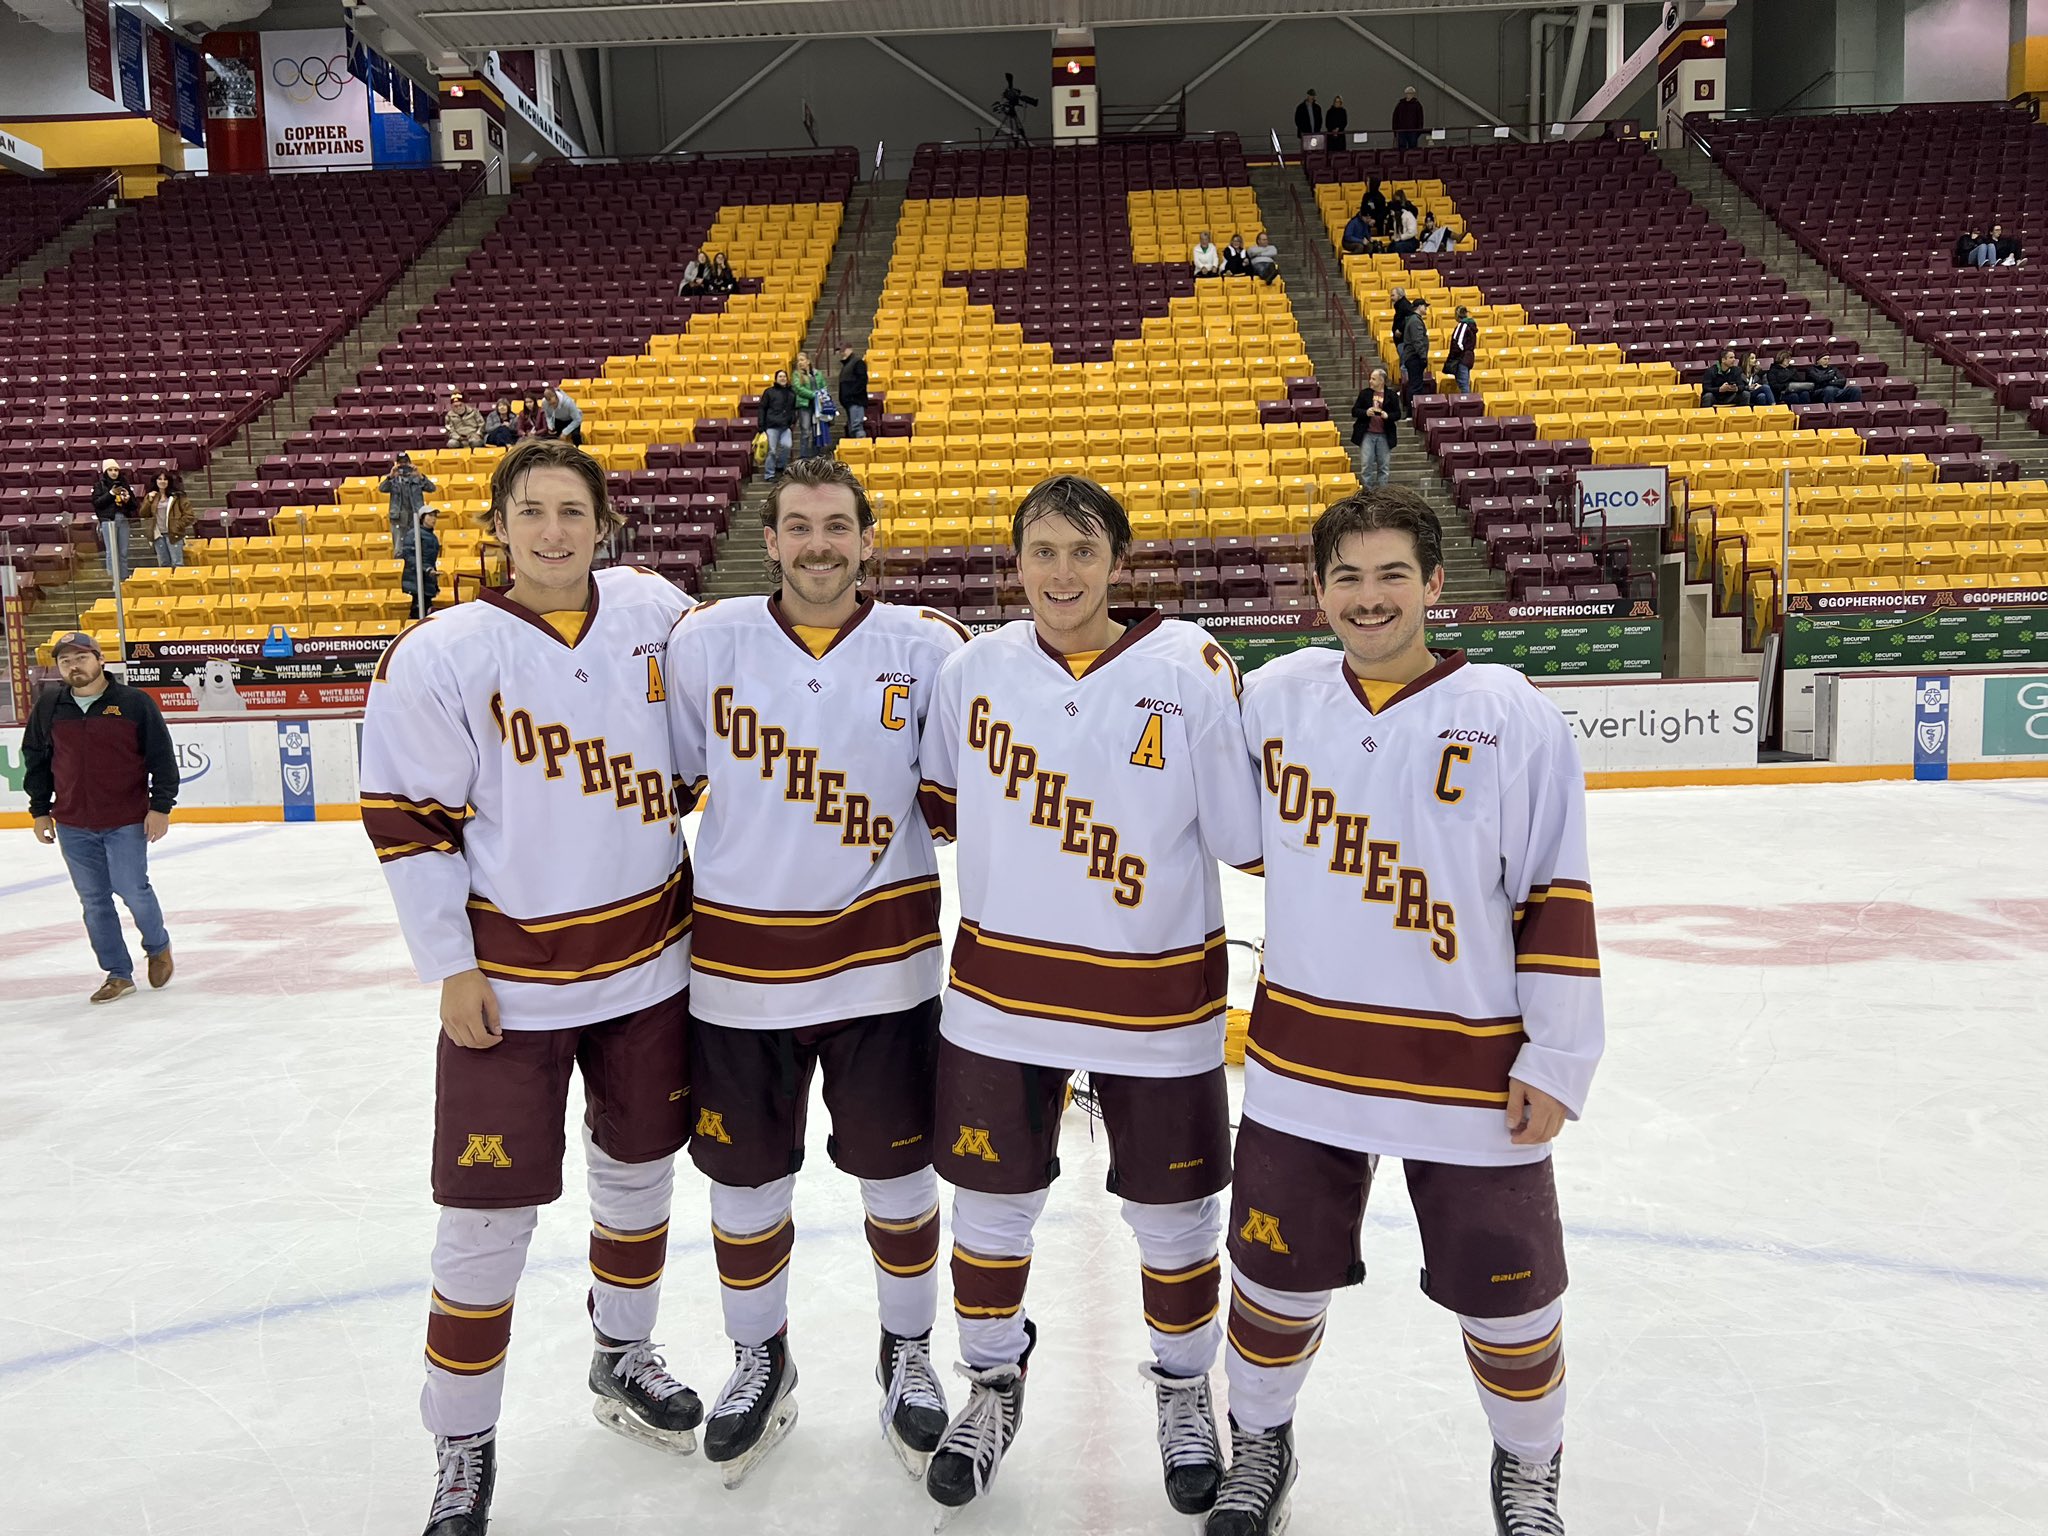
x=399 y=827
x=750 y=944
x=1038 y=978
x=566 y=947
x=1437 y=1058
x=1555 y=931
x=593 y=915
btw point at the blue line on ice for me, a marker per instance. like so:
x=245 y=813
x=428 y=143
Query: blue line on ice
x=156 y=855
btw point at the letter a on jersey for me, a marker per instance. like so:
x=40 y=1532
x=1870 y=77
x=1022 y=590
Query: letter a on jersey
x=1265 y=1230
x=484 y=1149
x=973 y=1142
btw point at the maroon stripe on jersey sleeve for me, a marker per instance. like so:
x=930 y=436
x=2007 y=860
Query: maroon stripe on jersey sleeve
x=941 y=808
x=887 y=924
x=563 y=947
x=1037 y=978
x=398 y=826
x=1554 y=930
x=1433 y=1058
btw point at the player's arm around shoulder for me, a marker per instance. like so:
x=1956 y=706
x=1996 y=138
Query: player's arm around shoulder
x=1226 y=783
x=938 y=745
x=1547 y=874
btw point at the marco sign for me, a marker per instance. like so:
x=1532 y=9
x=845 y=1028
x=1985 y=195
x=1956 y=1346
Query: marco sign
x=1635 y=497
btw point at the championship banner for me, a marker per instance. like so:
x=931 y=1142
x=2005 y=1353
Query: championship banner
x=128 y=31
x=188 y=70
x=163 y=86
x=99 y=47
x=314 y=111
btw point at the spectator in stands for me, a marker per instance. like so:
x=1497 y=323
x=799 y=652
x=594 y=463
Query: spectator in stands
x=1401 y=308
x=464 y=422
x=501 y=425
x=1965 y=253
x=1408 y=120
x=2005 y=248
x=1436 y=237
x=1237 y=262
x=778 y=416
x=407 y=488
x=809 y=383
x=1830 y=384
x=1464 y=344
x=1308 y=116
x=1360 y=238
x=1754 y=384
x=720 y=279
x=101 y=778
x=1336 y=121
x=1264 y=258
x=1984 y=249
x=533 y=421
x=1404 y=229
x=1373 y=207
x=421 y=554
x=169 y=516
x=1415 y=346
x=1723 y=384
x=694 y=275
x=1373 y=415
x=853 y=391
x=1207 y=259
x=114 y=503
x=1784 y=380
x=565 y=416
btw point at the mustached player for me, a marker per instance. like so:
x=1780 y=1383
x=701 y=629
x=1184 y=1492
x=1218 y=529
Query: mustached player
x=816 y=944
x=1092 y=767
x=1431 y=991
x=519 y=790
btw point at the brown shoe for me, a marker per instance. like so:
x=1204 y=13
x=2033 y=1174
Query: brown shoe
x=112 y=990
x=160 y=968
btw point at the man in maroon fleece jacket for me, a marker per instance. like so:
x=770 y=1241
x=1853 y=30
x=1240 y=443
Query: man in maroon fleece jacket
x=101 y=777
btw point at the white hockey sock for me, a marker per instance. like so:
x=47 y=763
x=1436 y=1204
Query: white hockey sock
x=629 y=1205
x=1273 y=1337
x=752 y=1235
x=1518 y=1367
x=1180 y=1275
x=991 y=1263
x=903 y=1237
x=478 y=1256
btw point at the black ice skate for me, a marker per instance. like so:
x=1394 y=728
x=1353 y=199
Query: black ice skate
x=1525 y=1495
x=1256 y=1496
x=637 y=1398
x=1188 y=1447
x=755 y=1410
x=913 y=1400
x=965 y=1464
x=462 y=1485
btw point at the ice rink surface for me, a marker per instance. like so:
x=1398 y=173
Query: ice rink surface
x=1808 y=1213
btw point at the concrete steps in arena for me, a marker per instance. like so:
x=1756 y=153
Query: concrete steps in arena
x=55 y=251
x=1937 y=381
x=335 y=370
x=1467 y=578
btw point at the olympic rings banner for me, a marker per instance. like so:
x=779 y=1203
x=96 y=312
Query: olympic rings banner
x=315 y=111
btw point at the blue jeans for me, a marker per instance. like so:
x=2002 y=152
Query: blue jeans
x=114 y=546
x=1985 y=255
x=106 y=864
x=1375 y=460
x=1761 y=395
x=1847 y=394
x=1462 y=372
x=169 y=551
x=856 y=421
x=778 y=450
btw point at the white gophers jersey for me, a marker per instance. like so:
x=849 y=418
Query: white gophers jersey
x=1429 y=917
x=817 y=886
x=1090 y=815
x=522 y=798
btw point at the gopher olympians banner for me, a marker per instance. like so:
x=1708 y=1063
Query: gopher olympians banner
x=315 y=111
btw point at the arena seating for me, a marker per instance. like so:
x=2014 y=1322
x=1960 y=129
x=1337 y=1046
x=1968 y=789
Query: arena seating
x=1879 y=200
x=1193 y=401
x=1602 y=295
x=576 y=284
x=157 y=341
x=34 y=210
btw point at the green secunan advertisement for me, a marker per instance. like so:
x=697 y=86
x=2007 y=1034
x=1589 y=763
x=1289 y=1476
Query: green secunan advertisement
x=1925 y=634
x=1583 y=640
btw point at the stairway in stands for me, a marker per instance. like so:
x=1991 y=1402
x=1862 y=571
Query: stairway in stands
x=863 y=250
x=1467 y=578
x=54 y=252
x=1973 y=405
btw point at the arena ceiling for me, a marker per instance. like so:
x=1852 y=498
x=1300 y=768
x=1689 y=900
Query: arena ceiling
x=472 y=26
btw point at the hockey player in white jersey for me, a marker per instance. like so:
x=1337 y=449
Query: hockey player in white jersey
x=518 y=786
x=1092 y=767
x=815 y=946
x=1430 y=991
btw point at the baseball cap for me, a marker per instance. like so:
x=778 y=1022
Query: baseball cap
x=77 y=640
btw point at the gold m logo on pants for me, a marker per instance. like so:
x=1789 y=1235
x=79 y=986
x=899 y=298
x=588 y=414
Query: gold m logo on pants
x=1265 y=1230
x=711 y=1126
x=484 y=1149
x=973 y=1142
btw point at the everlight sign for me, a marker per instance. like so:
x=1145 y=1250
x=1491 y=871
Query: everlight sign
x=1623 y=498
x=316 y=112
